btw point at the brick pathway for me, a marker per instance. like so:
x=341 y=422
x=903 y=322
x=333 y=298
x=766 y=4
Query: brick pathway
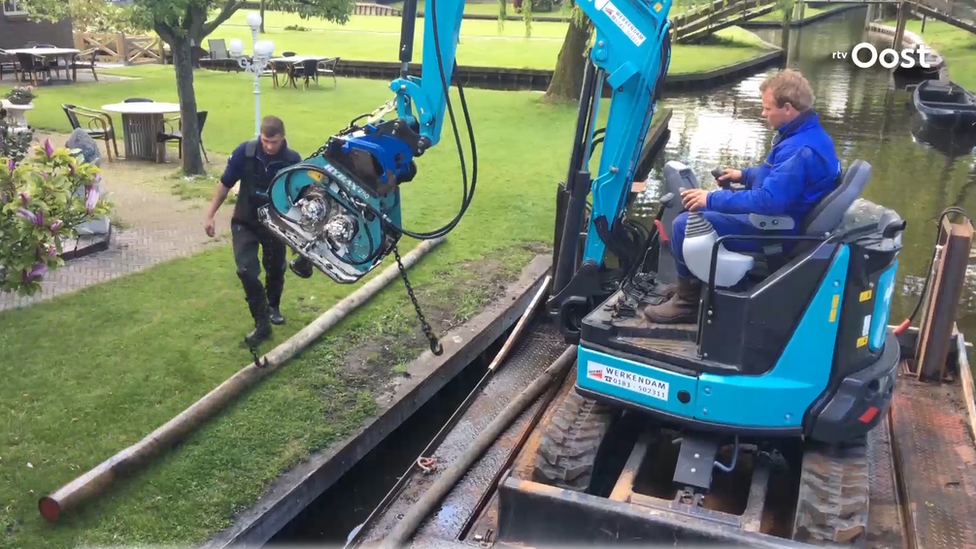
x=158 y=226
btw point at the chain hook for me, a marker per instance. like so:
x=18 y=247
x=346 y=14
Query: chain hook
x=258 y=363
x=435 y=345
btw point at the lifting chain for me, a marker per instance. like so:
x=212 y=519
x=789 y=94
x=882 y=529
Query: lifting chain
x=257 y=360
x=435 y=345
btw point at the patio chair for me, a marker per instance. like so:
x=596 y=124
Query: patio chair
x=327 y=67
x=177 y=135
x=30 y=66
x=272 y=69
x=8 y=63
x=306 y=70
x=53 y=63
x=88 y=57
x=103 y=128
x=218 y=48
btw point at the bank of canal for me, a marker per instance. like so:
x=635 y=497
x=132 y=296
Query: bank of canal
x=870 y=119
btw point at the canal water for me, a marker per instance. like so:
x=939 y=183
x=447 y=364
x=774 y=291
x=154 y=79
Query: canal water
x=869 y=117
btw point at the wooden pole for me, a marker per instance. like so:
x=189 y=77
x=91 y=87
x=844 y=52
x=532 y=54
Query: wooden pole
x=900 y=26
x=942 y=300
x=788 y=8
x=139 y=454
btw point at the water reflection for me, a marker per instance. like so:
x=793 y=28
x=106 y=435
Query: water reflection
x=870 y=118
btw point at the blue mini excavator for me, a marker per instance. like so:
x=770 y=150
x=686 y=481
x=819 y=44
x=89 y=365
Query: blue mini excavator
x=790 y=357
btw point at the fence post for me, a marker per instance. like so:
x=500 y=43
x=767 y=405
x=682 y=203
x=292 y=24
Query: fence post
x=123 y=49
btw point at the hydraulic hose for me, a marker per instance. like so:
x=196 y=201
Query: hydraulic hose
x=406 y=527
x=928 y=272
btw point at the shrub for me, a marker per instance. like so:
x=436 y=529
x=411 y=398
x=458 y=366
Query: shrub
x=14 y=142
x=42 y=202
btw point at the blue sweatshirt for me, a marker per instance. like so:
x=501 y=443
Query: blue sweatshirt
x=799 y=171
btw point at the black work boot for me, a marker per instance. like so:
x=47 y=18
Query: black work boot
x=681 y=308
x=274 y=314
x=302 y=267
x=262 y=322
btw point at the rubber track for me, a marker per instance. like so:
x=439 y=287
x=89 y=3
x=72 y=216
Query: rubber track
x=570 y=442
x=835 y=487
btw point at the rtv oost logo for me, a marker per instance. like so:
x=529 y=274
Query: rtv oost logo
x=888 y=57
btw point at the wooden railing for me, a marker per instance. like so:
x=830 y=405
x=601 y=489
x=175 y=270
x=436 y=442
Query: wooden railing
x=120 y=48
x=700 y=22
x=364 y=8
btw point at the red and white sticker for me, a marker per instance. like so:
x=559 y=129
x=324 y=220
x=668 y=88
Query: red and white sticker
x=637 y=383
x=619 y=19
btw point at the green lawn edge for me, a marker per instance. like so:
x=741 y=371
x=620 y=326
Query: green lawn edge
x=956 y=46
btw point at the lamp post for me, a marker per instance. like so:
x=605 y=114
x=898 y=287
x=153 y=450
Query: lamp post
x=263 y=50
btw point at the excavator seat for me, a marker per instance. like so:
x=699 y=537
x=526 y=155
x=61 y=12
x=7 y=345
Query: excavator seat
x=825 y=217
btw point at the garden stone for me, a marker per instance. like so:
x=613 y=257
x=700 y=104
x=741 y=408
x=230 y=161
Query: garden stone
x=79 y=139
x=91 y=155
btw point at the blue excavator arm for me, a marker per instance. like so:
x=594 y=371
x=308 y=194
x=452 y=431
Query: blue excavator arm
x=340 y=208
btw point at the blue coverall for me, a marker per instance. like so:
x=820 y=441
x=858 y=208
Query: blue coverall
x=799 y=171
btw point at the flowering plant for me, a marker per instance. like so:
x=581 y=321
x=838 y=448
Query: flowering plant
x=42 y=202
x=21 y=95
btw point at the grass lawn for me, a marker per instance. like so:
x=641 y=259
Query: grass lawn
x=94 y=372
x=957 y=46
x=482 y=43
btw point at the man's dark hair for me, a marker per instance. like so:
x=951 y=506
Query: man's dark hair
x=272 y=126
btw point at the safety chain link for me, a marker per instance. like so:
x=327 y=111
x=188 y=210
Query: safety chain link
x=435 y=345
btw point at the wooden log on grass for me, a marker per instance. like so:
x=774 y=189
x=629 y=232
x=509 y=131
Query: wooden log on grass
x=95 y=481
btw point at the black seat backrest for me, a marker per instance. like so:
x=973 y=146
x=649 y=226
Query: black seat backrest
x=829 y=212
x=72 y=117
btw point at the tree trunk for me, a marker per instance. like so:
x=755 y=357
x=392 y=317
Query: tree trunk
x=183 y=64
x=262 y=17
x=567 y=78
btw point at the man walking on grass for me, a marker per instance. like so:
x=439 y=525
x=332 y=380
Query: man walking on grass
x=255 y=163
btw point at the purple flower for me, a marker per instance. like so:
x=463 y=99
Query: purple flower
x=24 y=198
x=39 y=221
x=11 y=165
x=48 y=148
x=55 y=226
x=92 y=199
x=3 y=197
x=27 y=214
x=98 y=177
x=36 y=272
x=46 y=249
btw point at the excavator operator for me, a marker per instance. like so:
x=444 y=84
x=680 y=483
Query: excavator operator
x=800 y=170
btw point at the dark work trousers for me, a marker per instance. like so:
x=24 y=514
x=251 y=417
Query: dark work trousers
x=247 y=237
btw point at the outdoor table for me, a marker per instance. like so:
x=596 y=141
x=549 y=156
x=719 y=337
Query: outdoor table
x=297 y=59
x=44 y=53
x=141 y=122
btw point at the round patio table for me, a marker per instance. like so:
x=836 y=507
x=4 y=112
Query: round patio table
x=141 y=122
